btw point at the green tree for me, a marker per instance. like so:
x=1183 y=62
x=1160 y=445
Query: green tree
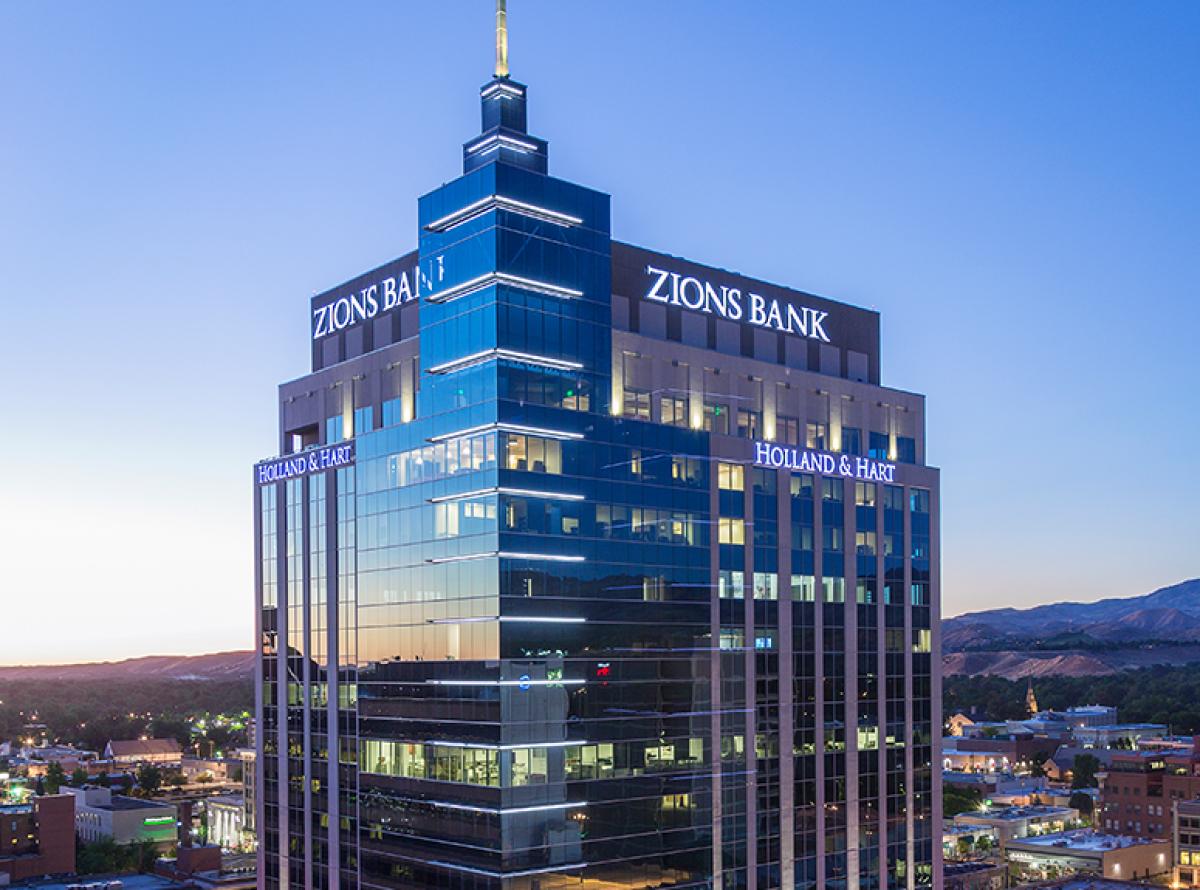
x=1082 y=801
x=149 y=778
x=56 y=777
x=99 y=857
x=984 y=844
x=1084 y=772
x=79 y=777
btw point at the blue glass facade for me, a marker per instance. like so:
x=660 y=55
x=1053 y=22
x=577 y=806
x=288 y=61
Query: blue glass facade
x=561 y=623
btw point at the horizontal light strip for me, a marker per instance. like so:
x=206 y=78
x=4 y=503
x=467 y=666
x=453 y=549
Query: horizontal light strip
x=507 y=428
x=507 y=874
x=480 y=282
x=543 y=213
x=538 y=431
x=564 y=682
x=499 y=202
x=539 y=808
x=461 y=290
x=518 y=746
x=438 y=560
x=473 y=619
x=466 y=495
x=486 y=355
x=467 y=361
x=462 y=434
x=506 y=88
x=529 y=358
x=543 y=556
x=549 y=495
x=496 y=140
x=517 y=492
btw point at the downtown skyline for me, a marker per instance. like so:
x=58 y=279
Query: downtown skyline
x=195 y=180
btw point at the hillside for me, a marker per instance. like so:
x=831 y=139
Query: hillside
x=1077 y=639
x=1170 y=614
x=216 y=666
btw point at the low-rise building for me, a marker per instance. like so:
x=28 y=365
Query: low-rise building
x=226 y=821
x=1086 y=851
x=1117 y=735
x=37 y=838
x=127 y=820
x=134 y=752
x=1186 y=837
x=1140 y=788
x=974 y=875
x=1012 y=823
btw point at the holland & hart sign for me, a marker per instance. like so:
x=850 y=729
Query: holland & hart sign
x=784 y=457
x=315 y=460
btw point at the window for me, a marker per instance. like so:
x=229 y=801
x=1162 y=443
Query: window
x=906 y=449
x=763 y=481
x=749 y=423
x=716 y=418
x=864 y=543
x=878 y=446
x=637 y=404
x=804 y=588
x=919 y=500
x=364 y=420
x=922 y=639
x=831 y=538
x=814 y=436
x=864 y=494
x=787 y=430
x=674 y=411
x=731 y=531
x=731 y=585
x=766 y=586
x=532 y=454
x=529 y=766
x=731 y=477
x=802 y=486
x=893 y=498
x=686 y=469
x=851 y=440
x=834 y=589
x=831 y=490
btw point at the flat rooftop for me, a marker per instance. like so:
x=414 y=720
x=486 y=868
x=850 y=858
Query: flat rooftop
x=1012 y=814
x=1087 y=841
x=120 y=802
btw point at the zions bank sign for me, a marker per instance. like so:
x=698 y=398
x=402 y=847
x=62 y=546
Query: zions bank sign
x=376 y=296
x=732 y=303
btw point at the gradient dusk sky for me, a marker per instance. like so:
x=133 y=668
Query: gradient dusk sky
x=1014 y=187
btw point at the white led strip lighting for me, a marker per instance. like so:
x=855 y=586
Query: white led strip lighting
x=479 y=358
x=495 y=141
x=545 y=557
x=490 y=278
x=504 y=89
x=517 y=492
x=507 y=428
x=499 y=202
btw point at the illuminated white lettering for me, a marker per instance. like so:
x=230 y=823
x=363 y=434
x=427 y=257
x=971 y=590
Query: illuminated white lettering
x=683 y=293
x=758 y=314
x=655 y=292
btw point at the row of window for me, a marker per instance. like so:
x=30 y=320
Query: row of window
x=718 y=417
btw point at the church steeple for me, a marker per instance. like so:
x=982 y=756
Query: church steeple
x=1031 y=703
x=505 y=135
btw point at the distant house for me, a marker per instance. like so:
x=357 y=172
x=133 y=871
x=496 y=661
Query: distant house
x=131 y=752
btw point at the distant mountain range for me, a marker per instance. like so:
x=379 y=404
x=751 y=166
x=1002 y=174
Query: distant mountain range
x=217 y=666
x=1064 y=639
x=1078 y=639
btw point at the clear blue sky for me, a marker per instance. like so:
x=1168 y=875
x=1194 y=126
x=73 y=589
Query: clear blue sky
x=1014 y=186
